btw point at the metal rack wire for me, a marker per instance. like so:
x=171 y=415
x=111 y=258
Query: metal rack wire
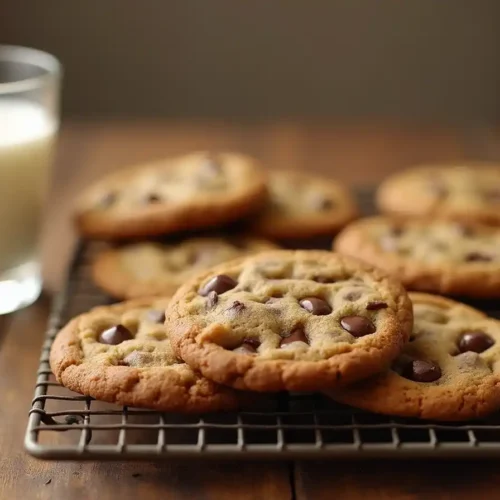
x=65 y=425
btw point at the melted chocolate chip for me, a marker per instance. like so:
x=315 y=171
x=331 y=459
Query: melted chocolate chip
x=421 y=371
x=219 y=284
x=357 y=326
x=212 y=299
x=315 y=306
x=375 y=305
x=477 y=257
x=115 y=335
x=475 y=342
x=249 y=346
x=156 y=316
x=297 y=335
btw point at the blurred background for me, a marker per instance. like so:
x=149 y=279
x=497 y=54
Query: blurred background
x=408 y=60
x=354 y=89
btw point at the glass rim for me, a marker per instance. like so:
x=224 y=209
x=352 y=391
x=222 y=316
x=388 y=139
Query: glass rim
x=26 y=55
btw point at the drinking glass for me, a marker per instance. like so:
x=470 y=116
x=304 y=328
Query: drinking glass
x=29 y=122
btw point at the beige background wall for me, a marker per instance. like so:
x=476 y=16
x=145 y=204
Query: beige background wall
x=417 y=59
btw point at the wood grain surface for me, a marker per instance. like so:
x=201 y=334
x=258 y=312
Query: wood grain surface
x=357 y=154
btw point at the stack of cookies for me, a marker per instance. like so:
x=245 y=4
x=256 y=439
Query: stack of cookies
x=202 y=209
x=215 y=321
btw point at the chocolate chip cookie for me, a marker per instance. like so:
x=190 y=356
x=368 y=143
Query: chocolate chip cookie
x=146 y=268
x=429 y=255
x=296 y=320
x=303 y=205
x=450 y=369
x=122 y=354
x=187 y=192
x=468 y=192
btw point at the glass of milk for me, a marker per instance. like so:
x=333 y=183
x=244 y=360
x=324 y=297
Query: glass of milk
x=29 y=121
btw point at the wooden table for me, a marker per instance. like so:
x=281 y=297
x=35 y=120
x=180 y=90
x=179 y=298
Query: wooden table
x=357 y=154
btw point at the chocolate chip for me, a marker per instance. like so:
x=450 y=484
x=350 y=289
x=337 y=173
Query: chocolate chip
x=107 y=200
x=475 y=342
x=315 y=306
x=212 y=299
x=153 y=198
x=297 y=335
x=352 y=296
x=237 y=306
x=323 y=279
x=115 y=335
x=375 y=305
x=412 y=338
x=358 y=326
x=477 y=257
x=249 y=346
x=219 y=284
x=156 y=316
x=421 y=371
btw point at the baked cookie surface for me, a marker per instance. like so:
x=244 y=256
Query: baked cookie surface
x=121 y=354
x=147 y=268
x=463 y=192
x=429 y=255
x=295 y=320
x=448 y=371
x=187 y=192
x=302 y=205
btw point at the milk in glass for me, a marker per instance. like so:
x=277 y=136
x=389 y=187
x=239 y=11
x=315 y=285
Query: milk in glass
x=27 y=136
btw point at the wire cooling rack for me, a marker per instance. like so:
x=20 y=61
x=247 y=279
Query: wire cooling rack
x=66 y=425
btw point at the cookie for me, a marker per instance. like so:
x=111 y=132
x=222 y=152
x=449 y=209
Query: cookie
x=188 y=192
x=462 y=192
x=122 y=354
x=429 y=255
x=450 y=369
x=303 y=205
x=295 y=320
x=146 y=268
